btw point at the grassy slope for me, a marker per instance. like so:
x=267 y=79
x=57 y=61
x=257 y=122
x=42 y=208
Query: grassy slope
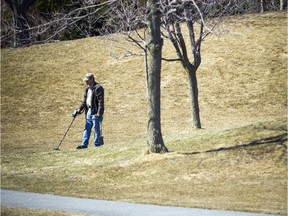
x=11 y=211
x=242 y=87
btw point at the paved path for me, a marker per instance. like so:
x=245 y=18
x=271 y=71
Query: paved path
x=103 y=208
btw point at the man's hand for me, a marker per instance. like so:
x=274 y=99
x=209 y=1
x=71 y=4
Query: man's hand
x=75 y=113
x=100 y=118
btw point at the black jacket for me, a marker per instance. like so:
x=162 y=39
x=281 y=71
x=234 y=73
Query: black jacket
x=97 y=106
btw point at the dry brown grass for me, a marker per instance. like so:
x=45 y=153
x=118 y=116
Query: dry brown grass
x=243 y=101
x=11 y=211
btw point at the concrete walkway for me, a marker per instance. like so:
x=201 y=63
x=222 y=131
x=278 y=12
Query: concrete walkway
x=102 y=207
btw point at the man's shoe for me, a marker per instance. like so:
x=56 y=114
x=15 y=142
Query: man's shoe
x=98 y=145
x=81 y=147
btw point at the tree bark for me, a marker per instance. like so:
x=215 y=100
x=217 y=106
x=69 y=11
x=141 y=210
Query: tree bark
x=154 y=135
x=193 y=87
x=190 y=68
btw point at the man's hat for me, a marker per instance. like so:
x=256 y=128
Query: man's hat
x=88 y=76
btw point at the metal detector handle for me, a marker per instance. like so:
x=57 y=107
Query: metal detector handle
x=75 y=113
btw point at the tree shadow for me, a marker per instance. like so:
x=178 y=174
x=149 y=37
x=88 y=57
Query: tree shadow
x=279 y=139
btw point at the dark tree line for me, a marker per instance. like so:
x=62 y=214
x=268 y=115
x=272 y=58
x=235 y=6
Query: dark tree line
x=20 y=21
x=25 y=22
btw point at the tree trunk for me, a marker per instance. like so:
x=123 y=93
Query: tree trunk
x=22 y=37
x=262 y=6
x=281 y=5
x=154 y=135
x=193 y=87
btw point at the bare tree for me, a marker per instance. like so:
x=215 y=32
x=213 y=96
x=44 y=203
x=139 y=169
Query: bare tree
x=154 y=135
x=79 y=20
x=252 y=6
x=140 y=22
x=201 y=17
x=71 y=19
x=19 y=10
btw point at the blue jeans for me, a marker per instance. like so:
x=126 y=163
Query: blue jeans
x=91 y=121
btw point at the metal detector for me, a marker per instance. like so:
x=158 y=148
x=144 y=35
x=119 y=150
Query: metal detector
x=74 y=116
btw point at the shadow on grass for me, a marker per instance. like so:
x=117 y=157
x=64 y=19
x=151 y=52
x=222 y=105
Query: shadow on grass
x=280 y=140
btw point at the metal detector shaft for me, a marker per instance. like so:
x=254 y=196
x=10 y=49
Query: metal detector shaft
x=57 y=148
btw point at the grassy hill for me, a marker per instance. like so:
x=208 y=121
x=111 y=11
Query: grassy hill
x=236 y=162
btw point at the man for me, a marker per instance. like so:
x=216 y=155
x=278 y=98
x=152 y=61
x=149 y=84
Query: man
x=93 y=104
